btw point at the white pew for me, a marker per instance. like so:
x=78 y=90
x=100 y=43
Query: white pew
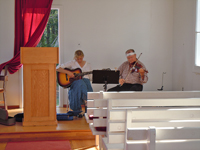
x=119 y=103
x=175 y=128
x=97 y=107
x=155 y=138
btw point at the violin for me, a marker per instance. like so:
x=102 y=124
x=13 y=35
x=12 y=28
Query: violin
x=136 y=66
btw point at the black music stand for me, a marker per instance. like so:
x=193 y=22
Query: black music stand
x=105 y=77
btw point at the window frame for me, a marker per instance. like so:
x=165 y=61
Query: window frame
x=196 y=68
x=62 y=93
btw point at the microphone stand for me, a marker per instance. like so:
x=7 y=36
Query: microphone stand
x=162 y=82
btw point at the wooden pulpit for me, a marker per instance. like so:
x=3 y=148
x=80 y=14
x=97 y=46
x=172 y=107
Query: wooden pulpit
x=39 y=85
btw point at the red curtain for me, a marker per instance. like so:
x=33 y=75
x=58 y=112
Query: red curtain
x=31 y=17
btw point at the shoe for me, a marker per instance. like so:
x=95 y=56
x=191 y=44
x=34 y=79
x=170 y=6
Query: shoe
x=80 y=116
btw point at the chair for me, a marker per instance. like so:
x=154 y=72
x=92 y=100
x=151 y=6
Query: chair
x=3 y=80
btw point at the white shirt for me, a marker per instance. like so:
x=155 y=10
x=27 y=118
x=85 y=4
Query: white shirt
x=73 y=64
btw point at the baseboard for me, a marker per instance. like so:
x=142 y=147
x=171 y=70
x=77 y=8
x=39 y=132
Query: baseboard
x=11 y=107
x=17 y=106
x=65 y=106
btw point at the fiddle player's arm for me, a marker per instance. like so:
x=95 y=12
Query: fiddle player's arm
x=141 y=71
x=121 y=81
x=65 y=71
x=143 y=75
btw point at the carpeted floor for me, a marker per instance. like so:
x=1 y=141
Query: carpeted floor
x=39 y=145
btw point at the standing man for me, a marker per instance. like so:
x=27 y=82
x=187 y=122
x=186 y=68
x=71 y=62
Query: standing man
x=133 y=74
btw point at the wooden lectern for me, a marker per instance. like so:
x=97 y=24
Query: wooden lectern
x=39 y=80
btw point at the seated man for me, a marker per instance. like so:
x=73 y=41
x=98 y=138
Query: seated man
x=132 y=74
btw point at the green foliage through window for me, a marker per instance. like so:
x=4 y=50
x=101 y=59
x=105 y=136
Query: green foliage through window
x=50 y=35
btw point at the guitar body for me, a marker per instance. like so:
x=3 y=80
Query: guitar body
x=64 y=80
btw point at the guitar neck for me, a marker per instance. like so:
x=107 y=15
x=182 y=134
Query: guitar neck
x=84 y=73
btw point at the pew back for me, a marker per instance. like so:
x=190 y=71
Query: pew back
x=129 y=110
x=155 y=138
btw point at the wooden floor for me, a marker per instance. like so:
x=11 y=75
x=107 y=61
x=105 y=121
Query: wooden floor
x=77 y=131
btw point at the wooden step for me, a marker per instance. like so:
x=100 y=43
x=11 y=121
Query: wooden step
x=49 y=135
x=76 y=129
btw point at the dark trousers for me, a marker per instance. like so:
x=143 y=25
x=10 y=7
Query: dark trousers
x=127 y=87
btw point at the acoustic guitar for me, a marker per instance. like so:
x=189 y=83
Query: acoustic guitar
x=65 y=81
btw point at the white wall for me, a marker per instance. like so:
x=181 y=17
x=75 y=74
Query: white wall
x=106 y=29
x=7 y=49
x=161 y=45
x=184 y=46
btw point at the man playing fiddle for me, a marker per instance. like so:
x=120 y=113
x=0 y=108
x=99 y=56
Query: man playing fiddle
x=133 y=74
